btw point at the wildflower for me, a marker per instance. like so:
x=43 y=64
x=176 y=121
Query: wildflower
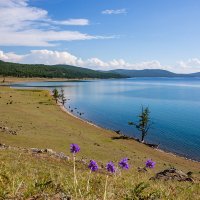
x=93 y=165
x=74 y=148
x=124 y=163
x=150 y=164
x=110 y=167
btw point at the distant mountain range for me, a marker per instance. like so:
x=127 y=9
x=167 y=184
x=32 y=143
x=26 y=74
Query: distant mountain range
x=151 y=73
x=68 y=71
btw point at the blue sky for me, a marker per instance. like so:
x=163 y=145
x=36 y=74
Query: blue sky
x=106 y=34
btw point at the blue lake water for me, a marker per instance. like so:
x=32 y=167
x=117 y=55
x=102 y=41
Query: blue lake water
x=174 y=104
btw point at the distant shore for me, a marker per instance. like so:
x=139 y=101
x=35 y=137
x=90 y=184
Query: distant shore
x=9 y=80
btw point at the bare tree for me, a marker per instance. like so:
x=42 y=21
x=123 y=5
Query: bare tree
x=144 y=123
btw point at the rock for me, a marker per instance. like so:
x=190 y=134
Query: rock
x=151 y=145
x=12 y=132
x=96 y=144
x=49 y=151
x=3 y=146
x=5 y=128
x=62 y=156
x=117 y=131
x=172 y=174
x=61 y=196
x=189 y=173
x=35 y=150
x=142 y=169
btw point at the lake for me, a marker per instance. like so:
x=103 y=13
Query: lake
x=174 y=104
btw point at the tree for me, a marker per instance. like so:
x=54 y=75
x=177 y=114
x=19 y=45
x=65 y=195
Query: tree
x=4 y=79
x=144 y=123
x=62 y=96
x=56 y=94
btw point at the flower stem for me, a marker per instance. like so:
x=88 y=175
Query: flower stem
x=75 y=180
x=105 y=192
x=88 y=182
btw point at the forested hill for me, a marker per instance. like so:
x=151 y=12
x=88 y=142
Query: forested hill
x=151 y=73
x=52 y=71
x=145 y=73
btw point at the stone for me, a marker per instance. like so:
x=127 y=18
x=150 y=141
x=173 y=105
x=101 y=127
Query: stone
x=3 y=146
x=142 y=169
x=5 y=128
x=96 y=144
x=61 y=196
x=62 y=156
x=35 y=150
x=49 y=151
x=172 y=174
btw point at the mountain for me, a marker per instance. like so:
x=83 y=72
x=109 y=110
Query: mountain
x=145 y=73
x=52 y=71
x=68 y=71
x=151 y=73
x=197 y=74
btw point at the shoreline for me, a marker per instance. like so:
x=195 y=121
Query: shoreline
x=64 y=109
x=11 y=80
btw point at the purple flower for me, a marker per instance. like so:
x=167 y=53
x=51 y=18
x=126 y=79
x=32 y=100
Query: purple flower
x=150 y=164
x=124 y=163
x=93 y=166
x=74 y=148
x=110 y=167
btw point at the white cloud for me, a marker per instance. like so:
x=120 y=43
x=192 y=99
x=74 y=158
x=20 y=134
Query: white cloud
x=41 y=37
x=114 y=12
x=23 y=25
x=191 y=65
x=63 y=57
x=72 y=22
x=194 y=62
x=50 y=58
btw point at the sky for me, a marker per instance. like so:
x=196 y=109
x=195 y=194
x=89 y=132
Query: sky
x=102 y=34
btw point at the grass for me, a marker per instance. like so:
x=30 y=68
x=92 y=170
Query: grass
x=27 y=175
x=40 y=123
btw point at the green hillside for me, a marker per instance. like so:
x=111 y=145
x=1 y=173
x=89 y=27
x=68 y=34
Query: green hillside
x=52 y=71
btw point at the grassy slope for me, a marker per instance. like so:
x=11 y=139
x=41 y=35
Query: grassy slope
x=40 y=123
